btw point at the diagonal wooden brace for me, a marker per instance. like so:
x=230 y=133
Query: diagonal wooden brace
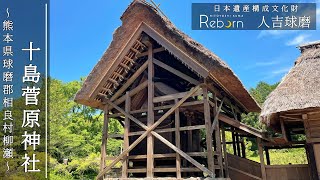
x=166 y=142
x=136 y=142
x=215 y=121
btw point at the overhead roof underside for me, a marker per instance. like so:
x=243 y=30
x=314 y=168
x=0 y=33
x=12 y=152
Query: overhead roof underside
x=116 y=63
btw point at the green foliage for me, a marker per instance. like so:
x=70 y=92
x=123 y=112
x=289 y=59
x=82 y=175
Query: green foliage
x=76 y=132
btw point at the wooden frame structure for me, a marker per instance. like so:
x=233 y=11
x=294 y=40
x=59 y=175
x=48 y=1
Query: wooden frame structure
x=174 y=107
x=205 y=97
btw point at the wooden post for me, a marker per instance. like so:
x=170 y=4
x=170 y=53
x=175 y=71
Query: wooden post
x=267 y=155
x=243 y=148
x=234 y=147
x=126 y=134
x=190 y=141
x=238 y=144
x=262 y=164
x=208 y=130
x=150 y=140
x=104 y=138
x=219 y=150
x=310 y=151
x=283 y=129
x=226 y=166
x=177 y=136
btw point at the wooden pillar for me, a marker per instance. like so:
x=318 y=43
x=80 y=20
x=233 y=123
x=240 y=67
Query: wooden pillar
x=283 y=130
x=311 y=153
x=178 y=142
x=219 y=150
x=243 y=148
x=189 y=132
x=267 y=155
x=104 y=139
x=226 y=166
x=262 y=164
x=238 y=144
x=126 y=135
x=234 y=147
x=208 y=130
x=150 y=138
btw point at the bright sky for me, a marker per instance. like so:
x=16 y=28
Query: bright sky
x=81 y=30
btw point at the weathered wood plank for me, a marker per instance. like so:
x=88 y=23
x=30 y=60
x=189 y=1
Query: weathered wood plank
x=150 y=140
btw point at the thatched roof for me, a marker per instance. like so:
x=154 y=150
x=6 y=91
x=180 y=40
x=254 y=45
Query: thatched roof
x=139 y=12
x=299 y=89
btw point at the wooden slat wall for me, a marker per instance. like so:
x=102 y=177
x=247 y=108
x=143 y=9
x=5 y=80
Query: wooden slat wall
x=245 y=165
x=292 y=172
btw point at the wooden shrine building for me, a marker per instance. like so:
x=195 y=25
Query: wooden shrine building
x=175 y=100
x=293 y=108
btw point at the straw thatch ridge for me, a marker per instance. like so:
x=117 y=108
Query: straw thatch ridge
x=300 y=88
x=139 y=12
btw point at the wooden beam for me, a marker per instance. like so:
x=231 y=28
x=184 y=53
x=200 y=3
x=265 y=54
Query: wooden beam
x=169 y=155
x=137 y=141
x=104 y=139
x=243 y=127
x=208 y=132
x=192 y=63
x=126 y=135
x=129 y=81
x=176 y=72
x=262 y=164
x=226 y=166
x=171 y=97
x=177 y=137
x=150 y=140
x=165 y=130
x=154 y=51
